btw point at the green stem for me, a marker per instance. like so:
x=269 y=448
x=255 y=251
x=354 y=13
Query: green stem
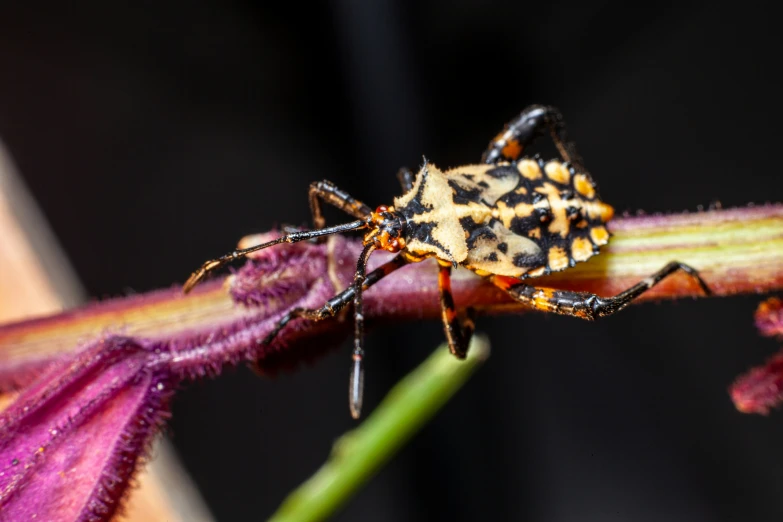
x=360 y=453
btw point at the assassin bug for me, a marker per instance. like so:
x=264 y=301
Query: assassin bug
x=506 y=219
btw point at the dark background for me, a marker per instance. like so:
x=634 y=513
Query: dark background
x=155 y=136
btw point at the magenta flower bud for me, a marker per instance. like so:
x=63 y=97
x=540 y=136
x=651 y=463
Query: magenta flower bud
x=761 y=388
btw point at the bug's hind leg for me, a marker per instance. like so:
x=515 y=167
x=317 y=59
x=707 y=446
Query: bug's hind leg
x=519 y=133
x=328 y=192
x=585 y=305
x=458 y=330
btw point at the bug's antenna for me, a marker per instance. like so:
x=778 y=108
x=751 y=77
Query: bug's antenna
x=356 y=384
x=294 y=237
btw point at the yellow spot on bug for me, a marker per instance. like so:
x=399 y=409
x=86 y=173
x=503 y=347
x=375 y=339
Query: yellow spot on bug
x=583 y=186
x=599 y=235
x=558 y=260
x=504 y=213
x=557 y=172
x=560 y=223
x=599 y=210
x=581 y=249
x=536 y=233
x=523 y=210
x=607 y=212
x=529 y=169
x=537 y=271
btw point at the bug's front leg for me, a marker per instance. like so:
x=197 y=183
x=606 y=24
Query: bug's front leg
x=458 y=330
x=521 y=132
x=335 y=196
x=585 y=305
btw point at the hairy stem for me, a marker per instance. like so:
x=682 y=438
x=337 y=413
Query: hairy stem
x=735 y=250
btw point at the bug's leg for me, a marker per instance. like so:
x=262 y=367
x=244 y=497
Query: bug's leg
x=336 y=303
x=320 y=190
x=356 y=382
x=293 y=237
x=458 y=330
x=335 y=196
x=406 y=178
x=585 y=305
x=339 y=302
x=520 y=132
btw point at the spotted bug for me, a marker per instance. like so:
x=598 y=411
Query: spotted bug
x=507 y=219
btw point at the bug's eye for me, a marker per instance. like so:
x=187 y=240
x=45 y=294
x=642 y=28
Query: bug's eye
x=381 y=208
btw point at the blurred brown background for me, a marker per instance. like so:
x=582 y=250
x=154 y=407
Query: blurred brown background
x=154 y=136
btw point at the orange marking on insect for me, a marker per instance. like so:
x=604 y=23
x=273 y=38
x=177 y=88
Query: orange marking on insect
x=542 y=299
x=537 y=271
x=444 y=281
x=535 y=232
x=451 y=314
x=513 y=149
x=599 y=235
x=583 y=186
x=605 y=212
x=599 y=209
x=560 y=223
x=504 y=213
x=557 y=172
x=581 y=249
x=558 y=260
x=529 y=169
x=582 y=314
x=523 y=210
x=504 y=282
x=582 y=224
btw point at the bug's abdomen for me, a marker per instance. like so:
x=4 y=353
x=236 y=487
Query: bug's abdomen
x=550 y=219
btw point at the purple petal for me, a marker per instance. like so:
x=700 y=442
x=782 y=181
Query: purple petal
x=70 y=442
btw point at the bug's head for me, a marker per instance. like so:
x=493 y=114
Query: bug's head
x=387 y=229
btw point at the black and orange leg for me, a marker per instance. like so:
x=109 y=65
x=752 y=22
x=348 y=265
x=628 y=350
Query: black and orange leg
x=585 y=305
x=522 y=131
x=406 y=178
x=335 y=196
x=458 y=330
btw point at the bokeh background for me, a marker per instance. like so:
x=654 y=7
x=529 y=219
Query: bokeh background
x=154 y=135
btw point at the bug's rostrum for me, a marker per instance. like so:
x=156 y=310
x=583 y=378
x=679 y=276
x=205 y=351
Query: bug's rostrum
x=387 y=229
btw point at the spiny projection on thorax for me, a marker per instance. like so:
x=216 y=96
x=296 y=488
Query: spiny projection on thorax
x=521 y=219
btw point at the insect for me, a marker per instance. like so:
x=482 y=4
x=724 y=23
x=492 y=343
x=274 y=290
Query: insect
x=508 y=219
